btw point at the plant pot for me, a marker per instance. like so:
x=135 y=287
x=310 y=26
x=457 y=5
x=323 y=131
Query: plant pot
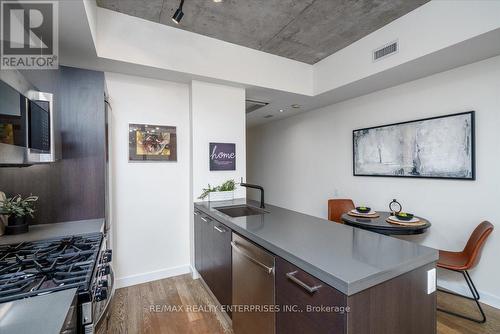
x=220 y=196
x=17 y=225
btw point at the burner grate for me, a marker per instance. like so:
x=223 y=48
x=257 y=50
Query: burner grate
x=32 y=268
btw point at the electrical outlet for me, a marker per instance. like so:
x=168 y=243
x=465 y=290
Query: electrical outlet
x=431 y=281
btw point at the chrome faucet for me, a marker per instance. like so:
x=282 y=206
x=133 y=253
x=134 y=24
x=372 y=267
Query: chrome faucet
x=255 y=186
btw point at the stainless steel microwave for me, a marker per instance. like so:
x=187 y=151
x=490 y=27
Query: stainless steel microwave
x=28 y=130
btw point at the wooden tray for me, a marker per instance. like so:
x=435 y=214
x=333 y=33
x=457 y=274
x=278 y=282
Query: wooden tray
x=363 y=215
x=419 y=223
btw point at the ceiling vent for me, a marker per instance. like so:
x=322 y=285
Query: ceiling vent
x=386 y=51
x=252 y=105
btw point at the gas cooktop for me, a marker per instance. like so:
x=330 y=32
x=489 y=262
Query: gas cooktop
x=32 y=268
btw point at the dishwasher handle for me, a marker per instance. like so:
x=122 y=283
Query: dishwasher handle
x=269 y=270
x=310 y=289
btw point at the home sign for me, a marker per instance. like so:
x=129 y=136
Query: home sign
x=222 y=156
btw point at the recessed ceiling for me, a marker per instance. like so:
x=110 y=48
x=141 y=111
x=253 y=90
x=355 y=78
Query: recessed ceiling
x=303 y=30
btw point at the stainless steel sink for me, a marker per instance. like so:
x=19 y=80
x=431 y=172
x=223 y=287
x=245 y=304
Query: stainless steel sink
x=240 y=210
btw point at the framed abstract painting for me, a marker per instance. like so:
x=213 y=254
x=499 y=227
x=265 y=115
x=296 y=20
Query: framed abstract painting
x=439 y=147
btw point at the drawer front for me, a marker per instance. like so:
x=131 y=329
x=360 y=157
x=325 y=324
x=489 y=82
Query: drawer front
x=307 y=305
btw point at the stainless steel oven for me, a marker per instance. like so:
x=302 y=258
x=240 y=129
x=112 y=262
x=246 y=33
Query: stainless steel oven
x=28 y=128
x=94 y=309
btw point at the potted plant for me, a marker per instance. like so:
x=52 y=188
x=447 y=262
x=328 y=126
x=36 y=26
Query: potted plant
x=18 y=210
x=219 y=193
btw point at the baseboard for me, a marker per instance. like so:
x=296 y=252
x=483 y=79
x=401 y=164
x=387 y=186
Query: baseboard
x=152 y=276
x=194 y=273
x=486 y=298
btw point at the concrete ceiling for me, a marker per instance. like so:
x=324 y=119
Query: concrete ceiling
x=303 y=30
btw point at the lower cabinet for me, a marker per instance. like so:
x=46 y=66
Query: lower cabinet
x=399 y=305
x=221 y=264
x=213 y=256
x=306 y=304
x=197 y=241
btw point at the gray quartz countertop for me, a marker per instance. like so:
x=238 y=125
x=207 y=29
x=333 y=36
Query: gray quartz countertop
x=40 y=314
x=47 y=231
x=347 y=258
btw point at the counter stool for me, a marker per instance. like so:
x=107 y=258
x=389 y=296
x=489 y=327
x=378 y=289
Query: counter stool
x=337 y=207
x=465 y=260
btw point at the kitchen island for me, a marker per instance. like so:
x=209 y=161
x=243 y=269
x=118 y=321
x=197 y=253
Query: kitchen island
x=383 y=280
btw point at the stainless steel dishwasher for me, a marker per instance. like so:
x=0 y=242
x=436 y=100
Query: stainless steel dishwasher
x=253 y=288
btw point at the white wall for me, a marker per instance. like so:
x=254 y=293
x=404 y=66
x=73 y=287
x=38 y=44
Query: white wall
x=304 y=160
x=91 y=15
x=218 y=115
x=137 y=41
x=447 y=22
x=150 y=202
x=434 y=26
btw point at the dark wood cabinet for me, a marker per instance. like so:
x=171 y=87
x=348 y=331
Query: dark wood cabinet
x=206 y=250
x=399 y=305
x=197 y=241
x=221 y=273
x=213 y=256
x=306 y=304
x=73 y=188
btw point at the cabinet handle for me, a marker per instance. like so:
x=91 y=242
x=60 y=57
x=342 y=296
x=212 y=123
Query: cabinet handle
x=218 y=229
x=205 y=219
x=310 y=289
x=257 y=262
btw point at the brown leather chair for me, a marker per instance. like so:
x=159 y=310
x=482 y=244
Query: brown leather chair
x=463 y=261
x=337 y=207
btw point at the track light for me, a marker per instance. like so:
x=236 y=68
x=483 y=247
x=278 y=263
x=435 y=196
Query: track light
x=178 y=13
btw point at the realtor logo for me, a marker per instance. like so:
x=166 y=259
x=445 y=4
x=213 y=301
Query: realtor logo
x=29 y=35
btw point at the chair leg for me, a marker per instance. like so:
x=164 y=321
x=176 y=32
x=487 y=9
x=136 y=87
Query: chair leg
x=475 y=297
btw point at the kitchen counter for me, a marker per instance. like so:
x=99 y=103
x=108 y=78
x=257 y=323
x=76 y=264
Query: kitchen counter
x=347 y=258
x=40 y=314
x=47 y=231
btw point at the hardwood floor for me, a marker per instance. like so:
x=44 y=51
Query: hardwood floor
x=144 y=309
x=448 y=324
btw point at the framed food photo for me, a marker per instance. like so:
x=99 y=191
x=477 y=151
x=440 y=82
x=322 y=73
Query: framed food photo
x=440 y=147
x=152 y=143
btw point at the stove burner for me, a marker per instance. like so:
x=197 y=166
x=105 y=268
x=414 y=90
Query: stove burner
x=31 y=268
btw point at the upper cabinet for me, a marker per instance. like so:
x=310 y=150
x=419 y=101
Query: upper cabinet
x=74 y=187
